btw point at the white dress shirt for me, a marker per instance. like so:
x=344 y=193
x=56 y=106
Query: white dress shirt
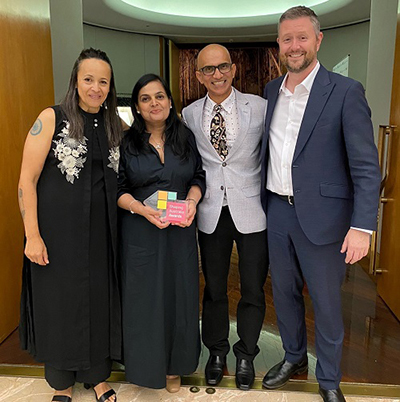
x=283 y=133
x=228 y=112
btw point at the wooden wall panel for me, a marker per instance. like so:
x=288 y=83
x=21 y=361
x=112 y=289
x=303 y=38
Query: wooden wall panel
x=389 y=281
x=255 y=67
x=26 y=87
x=174 y=75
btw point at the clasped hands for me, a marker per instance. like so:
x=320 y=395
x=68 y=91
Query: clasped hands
x=154 y=216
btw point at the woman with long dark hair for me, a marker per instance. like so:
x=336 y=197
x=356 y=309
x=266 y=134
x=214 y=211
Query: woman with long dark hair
x=70 y=308
x=159 y=260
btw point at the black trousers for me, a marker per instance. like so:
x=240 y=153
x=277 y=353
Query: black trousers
x=216 y=250
x=63 y=379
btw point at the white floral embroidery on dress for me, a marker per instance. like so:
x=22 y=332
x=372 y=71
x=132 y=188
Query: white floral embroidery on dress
x=69 y=152
x=114 y=159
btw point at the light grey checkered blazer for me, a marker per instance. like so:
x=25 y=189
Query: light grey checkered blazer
x=240 y=177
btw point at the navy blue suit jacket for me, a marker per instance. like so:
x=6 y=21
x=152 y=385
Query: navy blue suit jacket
x=335 y=169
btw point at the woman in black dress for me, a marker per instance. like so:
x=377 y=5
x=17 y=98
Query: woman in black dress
x=70 y=308
x=159 y=260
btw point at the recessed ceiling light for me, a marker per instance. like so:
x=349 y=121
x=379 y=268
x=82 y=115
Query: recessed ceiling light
x=219 y=8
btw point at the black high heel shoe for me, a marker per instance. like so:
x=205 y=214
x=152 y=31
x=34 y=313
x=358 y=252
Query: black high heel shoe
x=105 y=396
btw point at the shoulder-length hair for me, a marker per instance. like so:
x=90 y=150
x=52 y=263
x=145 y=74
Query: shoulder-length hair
x=70 y=103
x=175 y=135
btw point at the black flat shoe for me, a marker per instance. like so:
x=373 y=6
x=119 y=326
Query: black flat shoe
x=61 y=398
x=282 y=372
x=332 y=395
x=215 y=369
x=244 y=374
x=105 y=396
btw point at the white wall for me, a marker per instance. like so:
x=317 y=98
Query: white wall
x=66 y=41
x=340 y=42
x=381 y=59
x=131 y=55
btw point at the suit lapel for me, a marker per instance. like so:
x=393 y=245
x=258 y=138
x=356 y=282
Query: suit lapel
x=320 y=91
x=273 y=92
x=243 y=110
x=198 y=128
x=198 y=119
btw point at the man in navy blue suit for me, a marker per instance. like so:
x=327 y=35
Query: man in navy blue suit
x=320 y=190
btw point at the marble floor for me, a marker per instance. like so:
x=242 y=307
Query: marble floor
x=17 y=389
x=371 y=350
x=370 y=364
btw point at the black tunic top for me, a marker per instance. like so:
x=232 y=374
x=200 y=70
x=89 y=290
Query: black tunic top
x=142 y=173
x=70 y=309
x=160 y=272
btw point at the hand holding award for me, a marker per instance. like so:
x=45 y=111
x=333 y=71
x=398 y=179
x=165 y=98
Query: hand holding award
x=169 y=208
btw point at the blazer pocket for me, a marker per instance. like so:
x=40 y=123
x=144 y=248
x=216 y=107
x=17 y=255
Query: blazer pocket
x=335 y=190
x=323 y=127
x=251 y=190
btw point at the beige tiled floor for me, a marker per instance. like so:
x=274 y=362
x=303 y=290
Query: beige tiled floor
x=16 y=389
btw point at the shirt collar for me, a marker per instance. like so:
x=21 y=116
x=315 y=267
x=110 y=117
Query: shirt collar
x=307 y=83
x=227 y=104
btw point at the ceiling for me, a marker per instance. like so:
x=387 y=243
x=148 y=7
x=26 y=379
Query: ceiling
x=191 y=21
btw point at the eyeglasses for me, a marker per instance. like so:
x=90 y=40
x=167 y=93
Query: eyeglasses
x=222 y=68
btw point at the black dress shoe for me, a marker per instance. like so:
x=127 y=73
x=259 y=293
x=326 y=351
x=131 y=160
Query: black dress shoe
x=282 y=372
x=332 y=395
x=215 y=369
x=244 y=374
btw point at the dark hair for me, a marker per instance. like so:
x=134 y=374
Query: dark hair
x=175 y=134
x=299 y=12
x=70 y=103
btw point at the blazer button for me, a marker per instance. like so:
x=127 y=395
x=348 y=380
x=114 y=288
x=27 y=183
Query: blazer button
x=222 y=187
x=223 y=164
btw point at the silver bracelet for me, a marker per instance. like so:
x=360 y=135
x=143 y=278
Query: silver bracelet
x=132 y=212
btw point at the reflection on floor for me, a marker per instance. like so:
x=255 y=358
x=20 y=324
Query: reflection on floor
x=15 y=389
x=371 y=351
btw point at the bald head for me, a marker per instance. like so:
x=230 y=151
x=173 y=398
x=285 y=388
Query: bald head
x=211 y=51
x=217 y=83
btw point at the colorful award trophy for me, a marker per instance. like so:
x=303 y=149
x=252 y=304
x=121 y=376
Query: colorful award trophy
x=173 y=210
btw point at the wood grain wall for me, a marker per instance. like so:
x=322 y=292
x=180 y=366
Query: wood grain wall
x=389 y=281
x=255 y=67
x=26 y=87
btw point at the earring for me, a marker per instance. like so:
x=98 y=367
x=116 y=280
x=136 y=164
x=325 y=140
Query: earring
x=170 y=107
x=137 y=111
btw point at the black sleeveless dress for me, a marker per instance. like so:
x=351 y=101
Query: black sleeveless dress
x=70 y=309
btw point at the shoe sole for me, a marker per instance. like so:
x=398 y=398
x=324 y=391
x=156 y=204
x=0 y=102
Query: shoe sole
x=244 y=387
x=298 y=372
x=214 y=382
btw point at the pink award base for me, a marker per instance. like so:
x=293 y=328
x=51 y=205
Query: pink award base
x=176 y=211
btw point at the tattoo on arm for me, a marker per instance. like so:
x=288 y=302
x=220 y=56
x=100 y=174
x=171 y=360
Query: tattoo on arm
x=21 y=202
x=37 y=127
